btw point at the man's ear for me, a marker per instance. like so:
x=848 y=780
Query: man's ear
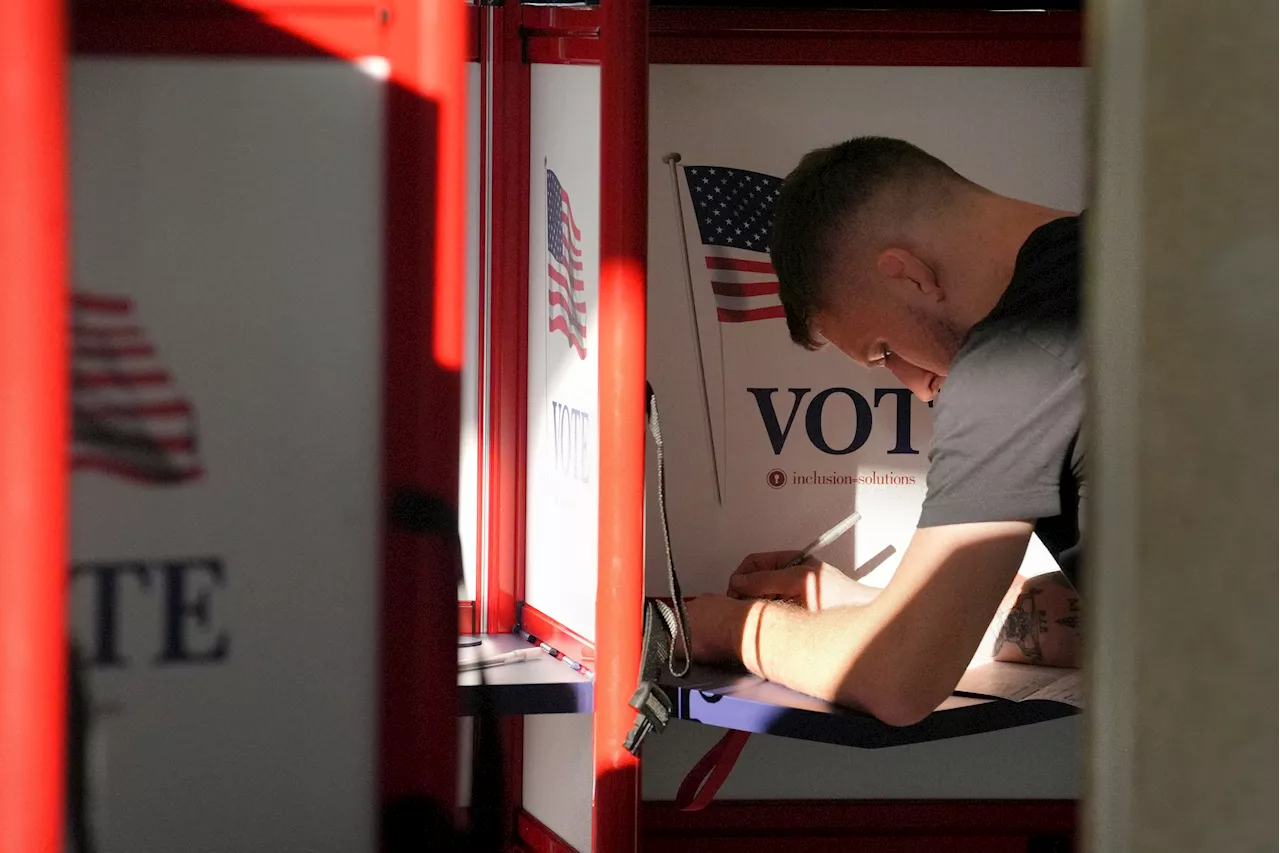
x=904 y=267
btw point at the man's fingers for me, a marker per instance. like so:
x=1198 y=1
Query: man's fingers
x=783 y=583
x=765 y=561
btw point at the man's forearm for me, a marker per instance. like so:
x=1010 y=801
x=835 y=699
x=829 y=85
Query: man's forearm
x=832 y=655
x=901 y=654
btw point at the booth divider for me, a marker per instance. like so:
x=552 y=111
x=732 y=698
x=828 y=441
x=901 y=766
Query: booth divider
x=34 y=429
x=624 y=210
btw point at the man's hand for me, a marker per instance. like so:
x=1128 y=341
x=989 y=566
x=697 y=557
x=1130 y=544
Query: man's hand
x=718 y=625
x=813 y=585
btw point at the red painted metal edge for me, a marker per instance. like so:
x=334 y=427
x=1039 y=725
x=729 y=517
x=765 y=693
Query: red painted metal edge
x=836 y=37
x=33 y=430
x=561 y=36
x=812 y=825
x=505 y=417
x=513 y=774
x=222 y=28
x=791 y=818
x=720 y=22
x=473 y=33
x=532 y=836
x=424 y=240
x=624 y=189
x=569 y=643
x=563 y=50
x=261 y=28
x=503 y=346
x=564 y=20
x=868 y=50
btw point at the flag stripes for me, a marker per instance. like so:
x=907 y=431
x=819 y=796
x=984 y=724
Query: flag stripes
x=566 y=302
x=128 y=418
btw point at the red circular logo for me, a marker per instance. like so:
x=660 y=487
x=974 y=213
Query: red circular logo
x=777 y=478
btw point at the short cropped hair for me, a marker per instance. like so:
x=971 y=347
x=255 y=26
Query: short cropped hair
x=825 y=191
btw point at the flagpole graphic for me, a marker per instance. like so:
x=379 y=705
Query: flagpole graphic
x=671 y=160
x=733 y=210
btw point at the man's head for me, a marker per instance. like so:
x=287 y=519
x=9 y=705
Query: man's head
x=881 y=249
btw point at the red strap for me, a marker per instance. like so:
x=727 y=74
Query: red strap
x=704 y=780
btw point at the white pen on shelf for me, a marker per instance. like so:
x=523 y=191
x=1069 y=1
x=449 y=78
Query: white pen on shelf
x=554 y=653
x=497 y=660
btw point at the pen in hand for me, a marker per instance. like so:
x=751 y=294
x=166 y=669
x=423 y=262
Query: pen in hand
x=825 y=539
x=818 y=544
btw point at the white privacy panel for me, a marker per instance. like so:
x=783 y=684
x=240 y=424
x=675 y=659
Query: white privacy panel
x=800 y=439
x=226 y=260
x=768 y=444
x=558 y=775
x=564 y=275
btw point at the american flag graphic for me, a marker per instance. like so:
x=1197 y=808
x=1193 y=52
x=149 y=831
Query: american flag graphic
x=566 y=290
x=128 y=418
x=734 y=208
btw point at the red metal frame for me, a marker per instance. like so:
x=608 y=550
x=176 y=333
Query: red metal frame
x=324 y=28
x=504 y=321
x=561 y=35
x=817 y=37
x=981 y=826
x=819 y=826
x=504 y=420
x=624 y=221
x=273 y=28
x=424 y=279
x=33 y=431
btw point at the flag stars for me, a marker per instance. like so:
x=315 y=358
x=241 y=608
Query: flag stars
x=734 y=210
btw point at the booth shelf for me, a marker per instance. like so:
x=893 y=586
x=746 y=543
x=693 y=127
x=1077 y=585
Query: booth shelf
x=739 y=701
x=539 y=685
x=732 y=700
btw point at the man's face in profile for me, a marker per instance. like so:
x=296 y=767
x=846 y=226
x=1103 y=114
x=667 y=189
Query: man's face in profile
x=876 y=328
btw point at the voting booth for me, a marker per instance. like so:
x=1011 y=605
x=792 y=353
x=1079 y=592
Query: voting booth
x=260 y=333
x=362 y=303
x=766 y=444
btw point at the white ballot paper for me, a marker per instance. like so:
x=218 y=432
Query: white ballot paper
x=1020 y=682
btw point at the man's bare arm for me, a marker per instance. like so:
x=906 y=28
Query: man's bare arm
x=1038 y=622
x=899 y=656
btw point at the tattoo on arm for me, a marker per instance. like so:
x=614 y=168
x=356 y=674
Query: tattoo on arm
x=1072 y=619
x=1022 y=625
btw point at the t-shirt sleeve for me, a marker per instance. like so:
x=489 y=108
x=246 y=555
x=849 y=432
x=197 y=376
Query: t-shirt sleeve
x=1006 y=421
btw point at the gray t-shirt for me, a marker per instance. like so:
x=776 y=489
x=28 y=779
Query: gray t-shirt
x=1008 y=441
